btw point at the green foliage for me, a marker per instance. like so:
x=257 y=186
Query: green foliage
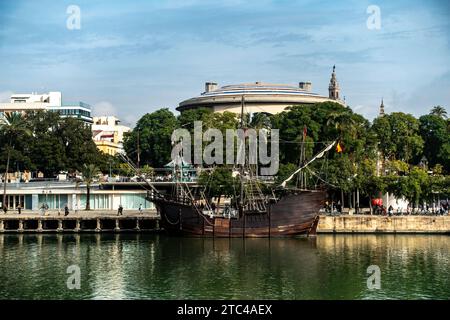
x=397 y=167
x=154 y=131
x=89 y=173
x=125 y=170
x=439 y=112
x=284 y=172
x=187 y=118
x=436 y=136
x=147 y=171
x=398 y=136
x=45 y=142
x=414 y=186
x=219 y=181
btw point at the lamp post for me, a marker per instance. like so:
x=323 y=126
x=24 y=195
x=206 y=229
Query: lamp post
x=110 y=171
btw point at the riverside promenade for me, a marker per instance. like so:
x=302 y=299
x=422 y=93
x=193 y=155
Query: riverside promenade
x=82 y=221
x=384 y=224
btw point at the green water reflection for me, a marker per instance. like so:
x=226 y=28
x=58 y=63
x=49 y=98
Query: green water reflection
x=160 y=267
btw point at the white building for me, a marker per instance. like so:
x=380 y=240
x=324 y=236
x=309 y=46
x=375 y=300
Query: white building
x=260 y=97
x=108 y=134
x=51 y=101
x=56 y=195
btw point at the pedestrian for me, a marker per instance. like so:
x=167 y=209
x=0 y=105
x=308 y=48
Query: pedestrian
x=390 y=210
x=66 y=210
x=19 y=208
x=42 y=209
x=339 y=207
x=5 y=209
x=75 y=207
x=120 y=210
x=140 y=208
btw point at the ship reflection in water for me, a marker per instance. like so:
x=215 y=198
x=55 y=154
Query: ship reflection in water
x=160 y=267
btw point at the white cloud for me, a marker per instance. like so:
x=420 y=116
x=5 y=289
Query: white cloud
x=104 y=108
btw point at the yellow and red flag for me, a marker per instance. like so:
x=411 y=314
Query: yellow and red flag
x=339 y=148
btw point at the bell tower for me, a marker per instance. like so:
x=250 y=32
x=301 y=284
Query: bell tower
x=381 y=108
x=333 y=88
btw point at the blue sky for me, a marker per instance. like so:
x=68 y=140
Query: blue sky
x=133 y=57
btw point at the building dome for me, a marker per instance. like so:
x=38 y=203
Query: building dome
x=259 y=97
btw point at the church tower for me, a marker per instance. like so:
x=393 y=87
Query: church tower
x=333 y=88
x=381 y=108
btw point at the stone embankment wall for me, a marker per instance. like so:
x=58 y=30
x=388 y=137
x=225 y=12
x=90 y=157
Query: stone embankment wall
x=383 y=224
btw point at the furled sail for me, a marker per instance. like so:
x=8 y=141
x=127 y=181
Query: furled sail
x=317 y=156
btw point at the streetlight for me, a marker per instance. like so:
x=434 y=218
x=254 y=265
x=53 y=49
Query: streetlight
x=110 y=171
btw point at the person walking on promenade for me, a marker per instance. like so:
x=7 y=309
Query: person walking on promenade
x=76 y=208
x=66 y=210
x=140 y=208
x=390 y=211
x=19 y=208
x=120 y=210
x=5 y=209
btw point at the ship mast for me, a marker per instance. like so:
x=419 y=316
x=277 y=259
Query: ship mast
x=301 y=178
x=251 y=196
x=241 y=170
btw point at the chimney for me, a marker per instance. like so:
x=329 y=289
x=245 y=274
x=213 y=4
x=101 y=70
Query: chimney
x=210 y=86
x=305 y=86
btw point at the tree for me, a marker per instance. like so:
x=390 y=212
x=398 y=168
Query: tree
x=12 y=126
x=291 y=123
x=398 y=136
x=78 y=147
x=284 y=172
x=150 y=141
x=61 y=144
x=147 y=171
x=89 y=173
x=219 y=182
x=46 y=149
x=187 y=118
x=439 y=111
x=436 y=137
x=414 y=186
x=261 y=120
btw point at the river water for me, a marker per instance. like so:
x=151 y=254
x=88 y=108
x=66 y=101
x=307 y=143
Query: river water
x=138 y=266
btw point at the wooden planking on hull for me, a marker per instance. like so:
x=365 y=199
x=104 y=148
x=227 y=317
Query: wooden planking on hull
x=293 y=215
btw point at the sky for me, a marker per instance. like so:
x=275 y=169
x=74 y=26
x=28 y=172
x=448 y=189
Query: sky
x=132 y=57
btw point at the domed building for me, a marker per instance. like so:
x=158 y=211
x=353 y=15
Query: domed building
x=260 y=97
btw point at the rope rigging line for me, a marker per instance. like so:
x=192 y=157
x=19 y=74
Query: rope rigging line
x=318 y=177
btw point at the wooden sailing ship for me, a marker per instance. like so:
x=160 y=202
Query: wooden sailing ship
x=286 y=212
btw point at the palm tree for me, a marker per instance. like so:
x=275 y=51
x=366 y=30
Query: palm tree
x=11 y=126
x=439 y=111
x=89 y=172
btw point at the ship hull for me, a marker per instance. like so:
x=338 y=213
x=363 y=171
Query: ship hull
x=292 y=215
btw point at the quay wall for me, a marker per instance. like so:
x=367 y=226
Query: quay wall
x=383 y=224
x=74 y=224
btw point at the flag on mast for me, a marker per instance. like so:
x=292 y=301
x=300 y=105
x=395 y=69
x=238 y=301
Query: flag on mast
x=339 y=148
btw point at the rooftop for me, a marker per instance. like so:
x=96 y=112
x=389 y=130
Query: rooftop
x=258 y=88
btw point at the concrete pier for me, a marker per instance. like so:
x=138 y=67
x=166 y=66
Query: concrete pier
x=80 y=222
x=383 y=224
